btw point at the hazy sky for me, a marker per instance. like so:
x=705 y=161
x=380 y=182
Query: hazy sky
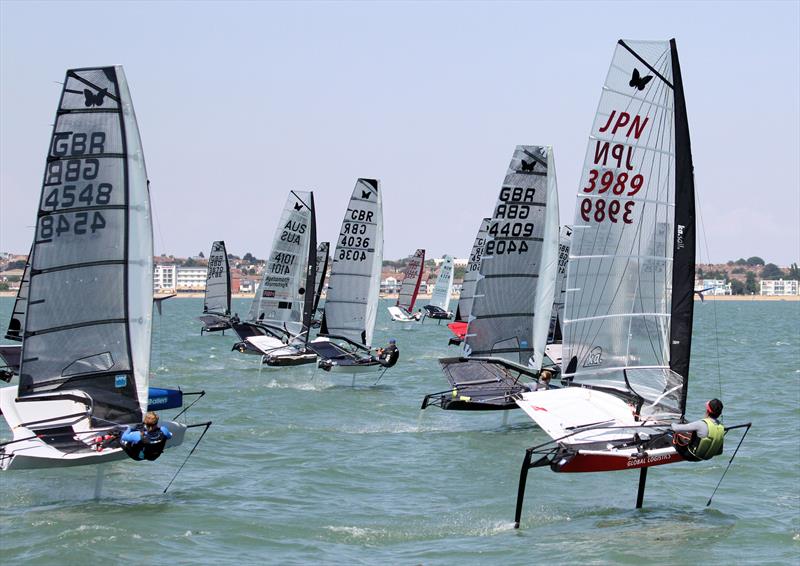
x=239 y=102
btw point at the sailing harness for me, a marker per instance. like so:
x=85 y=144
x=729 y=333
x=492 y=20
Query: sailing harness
x=389 y=356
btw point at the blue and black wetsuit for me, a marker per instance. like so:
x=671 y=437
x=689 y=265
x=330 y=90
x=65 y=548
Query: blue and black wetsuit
x=142 y=444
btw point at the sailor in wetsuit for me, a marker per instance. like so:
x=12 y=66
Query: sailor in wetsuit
x=703 y=439
x=145 y=441
x=389 y=355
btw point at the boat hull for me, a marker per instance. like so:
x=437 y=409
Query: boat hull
x=59 y=443
x=585 y=461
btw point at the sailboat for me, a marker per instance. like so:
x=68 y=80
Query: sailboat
x=10 y=353
x=323 y=258
x=627 y=327
x=467 y=296
x=403 y=309
x=217 y=303
x=503 y=350
x=554 y=338
x=438 y=307
x=86 y=328
x=351 y=306
x=284 y=304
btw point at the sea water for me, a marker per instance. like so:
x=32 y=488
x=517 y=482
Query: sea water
x=301 y=467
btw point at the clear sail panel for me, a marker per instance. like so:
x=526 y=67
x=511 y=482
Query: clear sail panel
x=409 y=288
x=218 y=286
x=620 y=266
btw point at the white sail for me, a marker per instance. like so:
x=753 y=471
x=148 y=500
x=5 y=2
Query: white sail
x=464 y=309
x=444 y=285
x=508 y=291
x=351 y=305
x=218 y=281
x=565 y=237
x=619 y=309
x=280 y=299
x=323 y=258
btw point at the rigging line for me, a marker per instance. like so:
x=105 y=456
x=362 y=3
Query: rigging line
x=714 y=303
x=207 y=425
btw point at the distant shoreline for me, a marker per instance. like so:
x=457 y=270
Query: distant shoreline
x=426 y=297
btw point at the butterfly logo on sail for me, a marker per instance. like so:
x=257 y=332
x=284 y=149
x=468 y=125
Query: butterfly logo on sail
x=527 y=167
x=298 y=206
x=365 y=194
x=92 y=99
x=638 y=81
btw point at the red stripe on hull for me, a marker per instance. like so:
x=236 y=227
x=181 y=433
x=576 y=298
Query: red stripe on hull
x=603 y=463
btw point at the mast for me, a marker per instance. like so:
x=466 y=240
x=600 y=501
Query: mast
x=309 y=304
x=409 y=288
x=17 y=321
x=684 y=237
x=323 y=252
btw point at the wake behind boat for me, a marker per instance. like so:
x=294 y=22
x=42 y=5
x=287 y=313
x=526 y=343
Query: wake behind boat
x=510 y=315
x=84 y=370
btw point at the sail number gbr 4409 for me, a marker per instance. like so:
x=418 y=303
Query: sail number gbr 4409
x=508 y=229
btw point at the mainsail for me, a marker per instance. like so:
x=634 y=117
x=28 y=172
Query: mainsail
x=518 y=269
x=464 y=308
x=17 y=321
x=630 y=279
x=323 y=257
x=91 y=279
x=281 y=297
x=565 y=237
x=444 y=285
x=409 y=289
x=218 y=282
x=352 y=302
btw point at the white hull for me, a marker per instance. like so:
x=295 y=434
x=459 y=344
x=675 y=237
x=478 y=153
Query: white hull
x=398 y=315
x=32 y=452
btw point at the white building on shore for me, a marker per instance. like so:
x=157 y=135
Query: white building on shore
x=170 y=277
x=779 y=287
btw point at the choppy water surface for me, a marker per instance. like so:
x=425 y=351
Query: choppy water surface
x=302 y=467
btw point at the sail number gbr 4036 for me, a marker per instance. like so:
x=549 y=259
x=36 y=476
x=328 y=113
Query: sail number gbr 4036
x=508 y=229
x=354 y=242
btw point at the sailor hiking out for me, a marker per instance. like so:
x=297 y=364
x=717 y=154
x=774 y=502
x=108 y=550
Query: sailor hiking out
x=389 y=355
x=701 y=439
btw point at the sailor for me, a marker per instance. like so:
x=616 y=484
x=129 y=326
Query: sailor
x=702 y=439
x=145 y=441
x=544 y=380
x=417 y=315
x=389 y=355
